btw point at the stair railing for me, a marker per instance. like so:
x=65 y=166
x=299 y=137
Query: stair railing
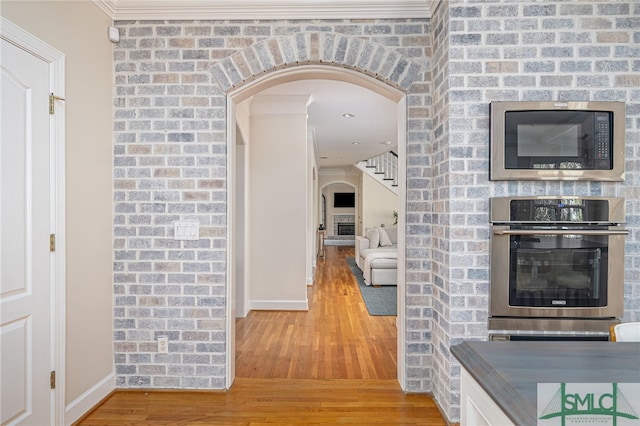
x=386 y=165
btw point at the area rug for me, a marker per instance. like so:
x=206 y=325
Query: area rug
x=380 y=301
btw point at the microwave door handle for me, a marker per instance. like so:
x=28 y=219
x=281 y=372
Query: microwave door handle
x=558 y=232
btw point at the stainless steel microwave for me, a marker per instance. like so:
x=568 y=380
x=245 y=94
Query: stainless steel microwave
x=557 y=141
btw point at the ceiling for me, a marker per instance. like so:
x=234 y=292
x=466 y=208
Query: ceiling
x=340 y=141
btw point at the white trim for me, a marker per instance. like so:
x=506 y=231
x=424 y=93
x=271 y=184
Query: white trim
x=89 y=399
x=56 y=59
x=266 y=9
x=58 y=194
x=107 y=6
x=280 y=305
x=401 y=322
x=28 y=42
x=246 y=192
x=264 y=81
x=336 y=182
x=230 y=308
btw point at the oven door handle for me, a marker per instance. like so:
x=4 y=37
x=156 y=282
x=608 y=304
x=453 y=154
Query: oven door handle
x=559 y=232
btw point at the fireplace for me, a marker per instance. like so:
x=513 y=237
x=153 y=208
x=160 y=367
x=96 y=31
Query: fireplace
x=346 y=229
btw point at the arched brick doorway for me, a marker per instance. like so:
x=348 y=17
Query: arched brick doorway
x=314 y=56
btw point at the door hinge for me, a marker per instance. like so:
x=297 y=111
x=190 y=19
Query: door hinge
x=52 y=380
x=52 y=242
x=52 y=103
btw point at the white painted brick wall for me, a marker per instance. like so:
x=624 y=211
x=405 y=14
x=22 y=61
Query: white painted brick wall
x=170 y=124
x=517 y=50
x=170 y=165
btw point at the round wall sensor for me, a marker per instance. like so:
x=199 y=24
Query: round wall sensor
x=114 y=34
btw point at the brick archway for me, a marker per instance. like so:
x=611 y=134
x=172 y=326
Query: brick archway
x=320 y=56
x=175 y=86
x=373 y=59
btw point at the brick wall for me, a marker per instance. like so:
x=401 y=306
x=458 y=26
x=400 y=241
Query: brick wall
x=516 y=50
x=441 y=207
x=170 y=124
x=171 y=83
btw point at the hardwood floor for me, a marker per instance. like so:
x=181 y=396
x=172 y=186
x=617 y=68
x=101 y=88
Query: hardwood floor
x=272 y=401
x=335 y=339
x=334 y=364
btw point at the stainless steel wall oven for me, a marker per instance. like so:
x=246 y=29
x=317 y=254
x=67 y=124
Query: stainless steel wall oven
x=557 y=263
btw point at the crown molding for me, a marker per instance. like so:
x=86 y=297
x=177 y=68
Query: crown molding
x=265 y=9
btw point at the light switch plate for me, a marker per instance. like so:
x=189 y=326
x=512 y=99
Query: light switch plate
x=186 y=230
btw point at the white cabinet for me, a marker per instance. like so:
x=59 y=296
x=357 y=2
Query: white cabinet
x=476 y=407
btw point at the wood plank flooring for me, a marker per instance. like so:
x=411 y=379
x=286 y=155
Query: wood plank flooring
x=272 y=401
x=335 y=339
x=334 y=364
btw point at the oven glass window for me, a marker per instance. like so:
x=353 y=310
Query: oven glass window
x=558 y=270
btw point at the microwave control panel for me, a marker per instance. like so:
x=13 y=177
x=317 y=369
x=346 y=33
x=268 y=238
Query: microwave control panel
x=603 y=137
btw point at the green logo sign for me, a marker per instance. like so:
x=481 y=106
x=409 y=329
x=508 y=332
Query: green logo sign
x=587 y=403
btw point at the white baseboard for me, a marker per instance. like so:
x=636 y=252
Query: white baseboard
x=280 y=305
x=85 y=402
x=243 y=313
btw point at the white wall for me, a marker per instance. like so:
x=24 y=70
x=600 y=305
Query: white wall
x=79 y=30
x=312 y=211
x=241 y=227
x=278 y=202
x=240 y=234
x=350 y=175
x=378 y=203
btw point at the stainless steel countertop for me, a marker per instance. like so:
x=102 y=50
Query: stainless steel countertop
x=510 y=371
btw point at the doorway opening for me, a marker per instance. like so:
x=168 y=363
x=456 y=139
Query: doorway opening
x=240 y=225
x=339 y=222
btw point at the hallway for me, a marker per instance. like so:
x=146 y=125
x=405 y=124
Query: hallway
x=335 y=339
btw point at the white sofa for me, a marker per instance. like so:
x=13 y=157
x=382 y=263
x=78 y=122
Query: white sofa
x=377 y=256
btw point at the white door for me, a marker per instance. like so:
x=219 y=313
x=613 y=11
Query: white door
x=25 y=224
